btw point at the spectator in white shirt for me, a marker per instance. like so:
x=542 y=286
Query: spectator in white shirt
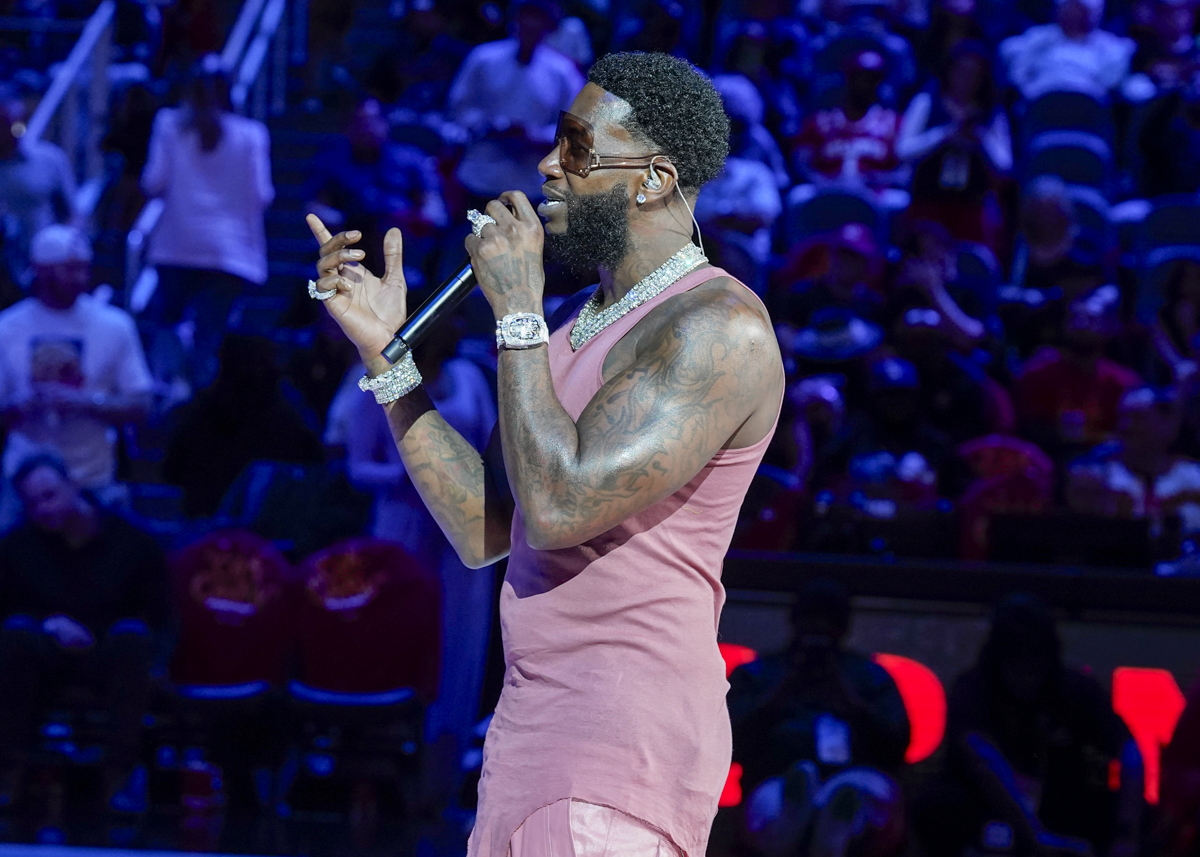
x=508 y=95
x=212 y=169
x=1071 y=54
x=37 y=187
x=71 y=366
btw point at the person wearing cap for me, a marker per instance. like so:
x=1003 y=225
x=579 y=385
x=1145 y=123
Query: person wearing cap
x=71 y=367
x=1072 y=53
x=37 y=185
x=853 y=142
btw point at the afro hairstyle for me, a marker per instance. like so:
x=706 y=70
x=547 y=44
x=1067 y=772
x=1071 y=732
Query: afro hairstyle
x=675 y=109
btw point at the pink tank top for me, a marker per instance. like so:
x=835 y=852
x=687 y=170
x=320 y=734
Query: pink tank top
x=614 y=689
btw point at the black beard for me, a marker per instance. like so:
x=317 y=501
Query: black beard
x=597 y=233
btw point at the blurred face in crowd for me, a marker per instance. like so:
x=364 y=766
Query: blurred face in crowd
x=1146 y=424
x=58 y=286
x=587 y=219
x=965 y=79
x=49 y=499
x=1075 y=19
x=532 y=25
x=368 y=130
x=1049 y=230
x=1174 y=23
x=846 y=270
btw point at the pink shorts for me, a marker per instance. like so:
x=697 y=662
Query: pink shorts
x=572 y=828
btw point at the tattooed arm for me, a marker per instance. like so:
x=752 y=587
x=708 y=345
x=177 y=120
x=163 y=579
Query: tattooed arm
x=464 y=490
x=647 y=432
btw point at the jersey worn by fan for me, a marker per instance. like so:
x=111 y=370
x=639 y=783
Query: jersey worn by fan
x=614 y=689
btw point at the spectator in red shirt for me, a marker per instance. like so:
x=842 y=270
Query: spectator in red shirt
x=1067 y=396
x=856 y=140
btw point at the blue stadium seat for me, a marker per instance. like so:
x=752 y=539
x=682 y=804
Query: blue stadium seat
x=1068 y=111
x=1076 y=157
x=807 y=215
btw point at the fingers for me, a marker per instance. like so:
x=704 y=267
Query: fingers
x=318 y=229
x=393 y=257
x=337 y=259
x=328 y=242
x=520 y=204
x=500 y=212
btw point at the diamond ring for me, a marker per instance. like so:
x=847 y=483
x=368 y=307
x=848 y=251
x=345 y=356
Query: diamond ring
x=314 y=292
x=479 y=220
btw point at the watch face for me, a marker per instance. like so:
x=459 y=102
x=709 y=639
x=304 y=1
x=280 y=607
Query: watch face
x=525 y=329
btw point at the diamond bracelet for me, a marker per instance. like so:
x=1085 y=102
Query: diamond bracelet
x=398 y=381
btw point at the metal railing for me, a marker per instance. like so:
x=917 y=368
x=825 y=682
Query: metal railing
x=72 y=112
x=256 y=57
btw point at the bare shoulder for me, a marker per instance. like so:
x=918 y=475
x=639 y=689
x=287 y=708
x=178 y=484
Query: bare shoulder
x=720 y=313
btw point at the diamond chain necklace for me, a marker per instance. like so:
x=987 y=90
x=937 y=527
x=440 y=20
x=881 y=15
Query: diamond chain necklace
x=592 y=319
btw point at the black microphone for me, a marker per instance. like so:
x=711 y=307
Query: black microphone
x=437 y=308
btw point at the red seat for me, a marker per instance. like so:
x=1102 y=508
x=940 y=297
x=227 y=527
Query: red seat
x=370 y=620
x=236 y=599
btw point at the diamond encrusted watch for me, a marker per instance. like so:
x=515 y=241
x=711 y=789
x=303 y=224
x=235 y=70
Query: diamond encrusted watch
x=520 y=330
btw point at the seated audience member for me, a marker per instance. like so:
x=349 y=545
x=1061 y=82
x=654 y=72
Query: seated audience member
x=1067 y=396
x=84 y=599
x=853 y=142
x=1073 y=53
x=957 y=138
x=1032 y=745
x=821 y=732
x=852 y=264
x=415 y=74
x=243 y=417
x=1178 y=322
x=739 y=207
x=1169 y=143
x=508 y=95
x=1139 y=474
x=951 y=23
x=1049 y=230
x=765 y=53
x=372 y=184
x=71 y=367
x=888 y=457
x=1167 y=52
x=748 y=137
x=37 y=186
x=928 y=328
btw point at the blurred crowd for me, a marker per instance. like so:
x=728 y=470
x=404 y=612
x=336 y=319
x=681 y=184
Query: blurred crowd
x=976 y=225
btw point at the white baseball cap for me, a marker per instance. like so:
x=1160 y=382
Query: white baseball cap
x=59 y=243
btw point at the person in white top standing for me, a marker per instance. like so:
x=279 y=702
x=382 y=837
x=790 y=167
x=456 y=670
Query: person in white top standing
x=212 y=169
x=508 y=95
x=71 y=367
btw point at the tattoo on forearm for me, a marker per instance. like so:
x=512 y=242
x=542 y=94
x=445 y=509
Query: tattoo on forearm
x=451 y=478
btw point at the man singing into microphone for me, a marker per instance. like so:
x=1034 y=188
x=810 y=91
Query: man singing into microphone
x=626 y=442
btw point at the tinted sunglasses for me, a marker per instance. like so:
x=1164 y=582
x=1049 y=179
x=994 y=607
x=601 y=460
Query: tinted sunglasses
x=577 y=153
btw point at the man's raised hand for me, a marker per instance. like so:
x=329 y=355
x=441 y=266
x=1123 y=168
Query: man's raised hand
x=368 y=309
